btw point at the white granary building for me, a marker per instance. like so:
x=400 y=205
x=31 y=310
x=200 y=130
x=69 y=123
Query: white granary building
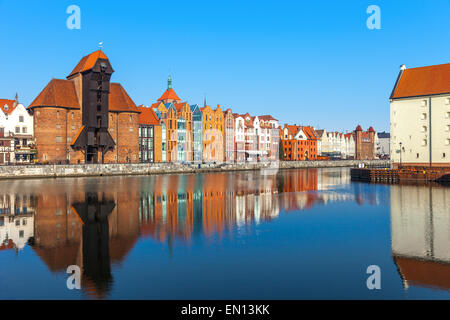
x=420 y=117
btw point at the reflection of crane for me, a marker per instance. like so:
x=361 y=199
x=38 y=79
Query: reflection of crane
x=94 y=213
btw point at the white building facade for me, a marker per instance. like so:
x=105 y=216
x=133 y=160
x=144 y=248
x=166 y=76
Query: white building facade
x=16 y=126
x=420 y=117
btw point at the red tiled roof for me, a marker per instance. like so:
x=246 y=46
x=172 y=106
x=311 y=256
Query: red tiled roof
x=58 y=93
x=169 y=94
x=293 y=129
x=180 y=106
x=62 y=93
x=88 y=62
x=312 y=134
x=267 y=117
x=358 y=128
x=422 y=81
x=119 y=100
x=148 y=116
x=9 y=103
x=348 y=135
x=424 y=273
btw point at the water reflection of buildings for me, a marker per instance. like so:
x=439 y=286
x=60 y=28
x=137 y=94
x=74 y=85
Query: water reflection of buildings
x=94 y=223
x=16 y=220
x=420 y=223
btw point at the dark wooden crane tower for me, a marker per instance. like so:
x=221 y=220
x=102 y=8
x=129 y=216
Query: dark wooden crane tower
x=93 y=138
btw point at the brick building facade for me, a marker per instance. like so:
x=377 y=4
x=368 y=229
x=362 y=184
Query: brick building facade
x=364 y=144
x=58 y=112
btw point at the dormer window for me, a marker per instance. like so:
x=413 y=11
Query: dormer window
x=6 y=107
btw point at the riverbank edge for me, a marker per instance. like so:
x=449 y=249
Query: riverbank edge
x=98 y=170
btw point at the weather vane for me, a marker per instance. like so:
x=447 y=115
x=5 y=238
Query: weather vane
x=100 y=45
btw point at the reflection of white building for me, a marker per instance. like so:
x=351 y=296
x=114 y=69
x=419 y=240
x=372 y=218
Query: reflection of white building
x=15 y=230
x=330 y=178
x=420 y=226
x=16 y=220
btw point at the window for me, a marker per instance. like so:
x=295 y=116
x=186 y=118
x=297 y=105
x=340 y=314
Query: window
x=448 y=127
x=57 y=114
x=71 y=115
x=424 y=116
x=447 y=101
x=424 y=129
x=24 y=130
x=131 y=129
x=424 y=142
x=58 y=139
x=447 y=142
x=58 y=127
x=20 y=118
x=417 y=156
x=17 y=129
x=447 y=115
x=424 y=103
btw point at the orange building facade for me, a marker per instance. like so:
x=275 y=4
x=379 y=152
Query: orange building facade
x=299 y=143
x=213 y=132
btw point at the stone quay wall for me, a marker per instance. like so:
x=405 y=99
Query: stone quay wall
x=85 y=170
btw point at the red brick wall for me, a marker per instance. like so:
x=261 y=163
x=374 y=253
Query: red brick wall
x=55 y=129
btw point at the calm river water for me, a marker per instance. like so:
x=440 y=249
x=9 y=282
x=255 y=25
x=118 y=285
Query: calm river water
x=292 y=234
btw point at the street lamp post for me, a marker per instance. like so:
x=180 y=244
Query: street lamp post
x=401 y=154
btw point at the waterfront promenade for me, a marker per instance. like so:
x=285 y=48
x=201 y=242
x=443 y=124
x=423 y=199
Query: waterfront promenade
x=83 y=170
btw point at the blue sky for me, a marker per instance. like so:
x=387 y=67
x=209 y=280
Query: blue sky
x=304 y=62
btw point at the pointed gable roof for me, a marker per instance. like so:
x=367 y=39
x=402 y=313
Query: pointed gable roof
x=293 y=129
x=88 y=62
x=195 y=108
x=57 y=93
x=147 y=116
x=422 y=81
x=119 y=100
x=180 y=106
x=169 y=94
x=7 y=106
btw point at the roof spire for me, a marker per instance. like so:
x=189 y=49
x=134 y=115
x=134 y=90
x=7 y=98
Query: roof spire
x=169 y=82
x=100 y=45
x=204 y=103
x=17 y=98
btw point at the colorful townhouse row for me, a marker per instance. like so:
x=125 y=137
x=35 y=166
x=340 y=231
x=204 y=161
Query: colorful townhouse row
x=174 y=131
x=85 y=118
x=305 y=143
